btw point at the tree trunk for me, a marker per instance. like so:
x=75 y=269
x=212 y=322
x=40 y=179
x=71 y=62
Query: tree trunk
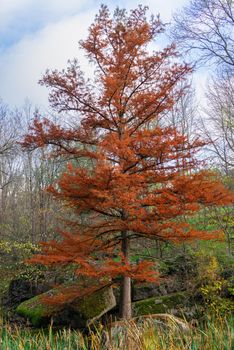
x=125 y=299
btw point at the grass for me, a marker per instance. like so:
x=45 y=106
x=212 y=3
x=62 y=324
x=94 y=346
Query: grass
x=213 y=334
x=18 y=339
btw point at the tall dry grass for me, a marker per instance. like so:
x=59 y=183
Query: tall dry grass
x=213 y=334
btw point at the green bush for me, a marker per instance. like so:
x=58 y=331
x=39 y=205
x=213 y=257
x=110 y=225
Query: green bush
x=213 y=287
x=12 y=262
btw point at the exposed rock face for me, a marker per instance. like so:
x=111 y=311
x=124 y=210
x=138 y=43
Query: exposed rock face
x=80 y=313
x=23 y=289
x=18 y=291
x=148 y=290
x=95 y=305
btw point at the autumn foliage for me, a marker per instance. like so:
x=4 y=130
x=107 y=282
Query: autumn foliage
x=140 y=179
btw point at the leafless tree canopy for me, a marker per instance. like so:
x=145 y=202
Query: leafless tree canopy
x=220 y=119
x=184 y=115
x=205 y=28
x=27 y=212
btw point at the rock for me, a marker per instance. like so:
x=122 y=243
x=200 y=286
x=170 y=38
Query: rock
x=35 y=311
x=22 y=289
x=158 y=305
x=125 y=331
x=168 y=320
x=148 y=290
x=18 y=291
x=92 y=307
x=80 y=313
x=145 y=291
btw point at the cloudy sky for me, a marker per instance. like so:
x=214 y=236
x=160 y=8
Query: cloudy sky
x=40 y=34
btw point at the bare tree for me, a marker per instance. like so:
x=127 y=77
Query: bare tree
x=218 y=122
x=37 y=172
x=184 y=114
x=218 y=127
x=27 y=211
x=205 y=28
x=8 y=150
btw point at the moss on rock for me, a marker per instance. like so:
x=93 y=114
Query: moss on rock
x=83 y=310
x=36 y=311
x=95 y=305
x=159 y=304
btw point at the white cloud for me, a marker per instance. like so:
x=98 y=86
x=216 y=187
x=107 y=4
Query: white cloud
x=9 y=10
x=10 y=7
x=23 y=64
x=163 y=7
x=39 y=10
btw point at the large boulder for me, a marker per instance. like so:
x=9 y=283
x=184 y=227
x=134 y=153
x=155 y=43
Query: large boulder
x=95 y=305
x=160 y=305
x=148 y=290
x=124 y=331
x=19 y=290
x=80 y=313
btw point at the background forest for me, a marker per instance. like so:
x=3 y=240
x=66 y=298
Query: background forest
x=203 y=34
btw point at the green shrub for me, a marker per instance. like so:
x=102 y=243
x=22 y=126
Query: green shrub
x=213 y=287
x=12 y=262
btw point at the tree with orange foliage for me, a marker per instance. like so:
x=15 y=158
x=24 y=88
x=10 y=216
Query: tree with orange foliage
x=143 y=175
